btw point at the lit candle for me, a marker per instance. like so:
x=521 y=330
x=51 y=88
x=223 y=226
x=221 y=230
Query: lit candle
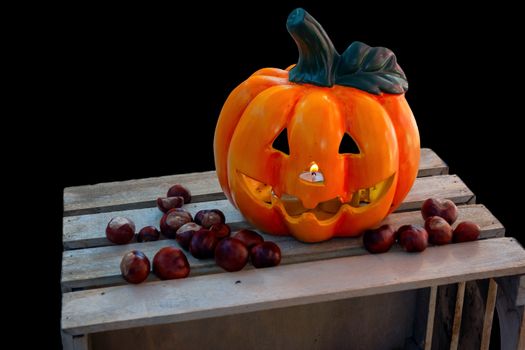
x=314 y=175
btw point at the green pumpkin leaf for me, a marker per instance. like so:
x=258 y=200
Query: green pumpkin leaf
x=372 y=69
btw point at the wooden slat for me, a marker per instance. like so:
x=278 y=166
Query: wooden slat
x=520 y=298
x=521 y=336
x=351 y=323
x=142 y=193
x=509 y=314
x=489 y=314
x=282 y=286
x=76 y=342
x=88 y=230
x=100 y=266
x=431 y=164
x=458 y=312
x=442 y=186
x=204 y=186
x=430 y=317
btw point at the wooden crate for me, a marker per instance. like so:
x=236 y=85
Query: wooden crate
x=324 y=295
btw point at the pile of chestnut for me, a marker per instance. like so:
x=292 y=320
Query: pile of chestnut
x=205 y=236
x=439 y=215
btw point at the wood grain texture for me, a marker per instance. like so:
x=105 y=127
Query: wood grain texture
x=489 y=314
x=75 y=342
x=521 y=336
x=472 y=316
x=509 y=314
x=201 y=297
x=431 y=164
x=86 y=268
x=204 y=186
x=520 y=299
x=458 y=313
x=430 y=317
x=341 y=324
x=89 y=230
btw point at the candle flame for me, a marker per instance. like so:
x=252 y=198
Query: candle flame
x=314 y=168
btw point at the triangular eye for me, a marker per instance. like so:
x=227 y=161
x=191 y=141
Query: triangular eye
x=281 y=142
x=348 y=145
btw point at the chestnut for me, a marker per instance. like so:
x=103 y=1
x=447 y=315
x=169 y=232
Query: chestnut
x=439 y=231
x=208 y=217
x=221 y=230
x=231 y=254
x=413 y=238
x=203 y=243
x=120 y=230
x=265 y=254
x=444 y=208
x=170 y=263
x=178 y=190
x=165 y=204
x=135 y=266
x=379 y=240
x=466 y=231
x=173 y=220
x=248 y=237
x=184 y=234
x=148 y=234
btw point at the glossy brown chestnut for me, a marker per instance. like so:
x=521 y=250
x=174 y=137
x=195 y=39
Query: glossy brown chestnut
x=120 y=230
x=178 y=190
x=208 y=217
x=203 y=243
x=135 y=266
x=221 y=230
x=248 y=237
x=413 y=238
x=170 y=263
x=185 y=233
x=466 y=231
x=265 y=254
x=148 y=234
x=167 y=203
x=439 y=231
x=173 y=220
x=379 y=240
x=231 y=254
x=444 y=208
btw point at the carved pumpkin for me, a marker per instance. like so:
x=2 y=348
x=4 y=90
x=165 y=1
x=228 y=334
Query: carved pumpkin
x=324 y=101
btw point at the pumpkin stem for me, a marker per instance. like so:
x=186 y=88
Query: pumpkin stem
x=318 y=57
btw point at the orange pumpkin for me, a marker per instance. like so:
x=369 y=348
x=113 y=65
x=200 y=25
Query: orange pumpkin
x=313 y=106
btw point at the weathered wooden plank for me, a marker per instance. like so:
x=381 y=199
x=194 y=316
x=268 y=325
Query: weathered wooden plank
x=489 y=314
x=430 y=317
x=89 y=230
x=75 y=342
x=520 y=299
x=510 y=315
x=521 y=336
x=442 y=186
x=458 y=312
x=142 y=193
x=431 y=164
x=84 y=231
x=340 y=324
x=204 y=186
x=296 y=284
x=100 y=266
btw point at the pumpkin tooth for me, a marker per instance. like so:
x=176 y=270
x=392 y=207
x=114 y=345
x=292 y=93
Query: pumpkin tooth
x=292 y=204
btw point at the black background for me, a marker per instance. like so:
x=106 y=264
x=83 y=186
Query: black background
x=141 y=89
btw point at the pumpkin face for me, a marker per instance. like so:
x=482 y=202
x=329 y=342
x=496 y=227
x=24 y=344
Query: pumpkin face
x=272 y=187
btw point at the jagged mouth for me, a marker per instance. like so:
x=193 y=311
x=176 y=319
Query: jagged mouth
x=294 y=207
